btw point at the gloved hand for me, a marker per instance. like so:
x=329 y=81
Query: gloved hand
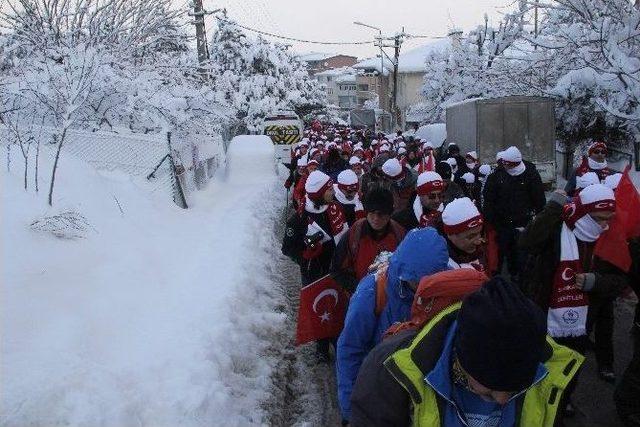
x=312 y=251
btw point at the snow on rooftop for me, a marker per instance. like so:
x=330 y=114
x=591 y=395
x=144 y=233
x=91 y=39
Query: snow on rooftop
x=315 y=56
x=346 y=78
x=413 y=61
x=410 y=62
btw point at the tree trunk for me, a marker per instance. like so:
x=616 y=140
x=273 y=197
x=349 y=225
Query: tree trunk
x=35 y=178
x=55 y=166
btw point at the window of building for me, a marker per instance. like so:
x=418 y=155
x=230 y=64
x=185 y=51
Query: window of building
x=329 y=78
x=363 y=87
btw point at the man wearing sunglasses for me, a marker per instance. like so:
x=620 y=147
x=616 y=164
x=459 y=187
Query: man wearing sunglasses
x=426 y=208
x=595 y=162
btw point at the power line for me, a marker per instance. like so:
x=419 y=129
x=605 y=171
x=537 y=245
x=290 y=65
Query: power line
x=293 y=38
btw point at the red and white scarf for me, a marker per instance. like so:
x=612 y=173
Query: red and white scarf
x=337 y=221
x=425 y=219
x=568 y=305
x=340 y=197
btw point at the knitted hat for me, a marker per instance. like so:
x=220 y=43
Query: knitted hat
x=374 y=142
x=597 y=146
x=402 y=150
x=469 y=178
x=393 y=169
x=473 y=155
x=501 y=336
x=512 y=155
x=597 y=198
x=460 y=215
x=452 y=162
x=427 y=182
x=594 y=198
x=317 y=184
x=612 y=181
x=347 y=181
x=302 y=162
x=587 y=179
x=484 y=170
x=378 y=200
x=313 y=162
x=384 y=148
x=355 y=160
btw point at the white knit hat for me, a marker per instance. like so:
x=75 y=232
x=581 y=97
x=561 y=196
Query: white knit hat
x=460 y=215
x=427 y=182
x=302 y=162
x=587 y=179
x=384 y=148
x=595 y=196
x=393 y=169
x=452 y=162
x=374 y=142
x=512 y=155
x=499 y=155
x=402 y=150
x=473 y=155
x=426 y=144
x=348 y=180
x=612 y=181
x=469 y=178
x=355 y=160
x=317 y=184
x=484 y=170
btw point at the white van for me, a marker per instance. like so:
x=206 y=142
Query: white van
x=284 y=128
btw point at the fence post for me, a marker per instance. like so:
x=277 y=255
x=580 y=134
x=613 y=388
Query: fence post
x=177 y=188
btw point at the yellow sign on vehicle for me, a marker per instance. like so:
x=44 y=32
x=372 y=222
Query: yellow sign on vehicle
x=283 y=134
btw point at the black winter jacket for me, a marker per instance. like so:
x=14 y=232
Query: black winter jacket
x=511 y=201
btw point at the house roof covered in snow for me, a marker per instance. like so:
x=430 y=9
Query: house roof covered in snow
x=315 y=56
x=346 y=78
x=411 y=61
x=337 y=72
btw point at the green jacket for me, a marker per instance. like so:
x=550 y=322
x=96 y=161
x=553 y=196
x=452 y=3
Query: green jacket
x=398 y=394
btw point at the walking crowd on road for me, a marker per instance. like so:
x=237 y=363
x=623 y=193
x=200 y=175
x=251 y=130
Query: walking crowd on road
x=471 y=292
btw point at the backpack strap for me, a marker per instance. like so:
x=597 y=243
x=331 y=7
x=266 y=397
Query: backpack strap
x=355 y=232
x=381 y=291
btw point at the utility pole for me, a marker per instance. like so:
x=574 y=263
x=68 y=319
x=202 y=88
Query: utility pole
x=394 y=101
x=201 y=34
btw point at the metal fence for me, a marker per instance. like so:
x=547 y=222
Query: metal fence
x=171 y=166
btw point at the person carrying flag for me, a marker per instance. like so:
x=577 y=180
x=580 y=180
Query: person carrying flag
x=562 y=239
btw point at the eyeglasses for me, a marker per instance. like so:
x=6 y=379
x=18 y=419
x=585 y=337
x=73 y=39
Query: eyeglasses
x=599 y=152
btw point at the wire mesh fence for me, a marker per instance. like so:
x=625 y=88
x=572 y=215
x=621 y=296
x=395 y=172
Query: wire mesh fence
x=170 y=166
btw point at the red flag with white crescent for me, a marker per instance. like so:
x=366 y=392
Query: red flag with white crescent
x=323 y=305
x=612 y=245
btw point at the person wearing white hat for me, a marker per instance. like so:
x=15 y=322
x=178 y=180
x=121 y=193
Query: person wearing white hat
x=400 y=180
x=425 y=211
x=462 y=225
x=595 y=161
x=346 y=193
x=471 y=160
x=513 y=194
x=355 y=163
x=567 y=278
x=471 y=187
x=311 y=235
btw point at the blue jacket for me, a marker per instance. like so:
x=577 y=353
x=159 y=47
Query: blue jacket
x=462 y=404
x=422 y=252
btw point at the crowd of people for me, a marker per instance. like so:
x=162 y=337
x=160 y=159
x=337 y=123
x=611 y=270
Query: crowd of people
x=472 y=293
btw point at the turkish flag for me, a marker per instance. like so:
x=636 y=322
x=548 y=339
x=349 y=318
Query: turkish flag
x=612 y=245
x=323 y=305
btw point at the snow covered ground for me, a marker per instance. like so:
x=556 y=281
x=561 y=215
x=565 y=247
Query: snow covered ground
x=155 y=315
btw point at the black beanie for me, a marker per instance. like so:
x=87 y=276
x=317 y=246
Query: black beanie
x=501 y=336
x=378 y=200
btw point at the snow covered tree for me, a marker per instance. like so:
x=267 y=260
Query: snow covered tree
x=257 y=77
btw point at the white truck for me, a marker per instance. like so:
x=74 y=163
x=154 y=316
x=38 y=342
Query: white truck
x=490 y=125
x=284 y=128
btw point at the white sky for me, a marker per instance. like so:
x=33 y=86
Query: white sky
x=332 y=20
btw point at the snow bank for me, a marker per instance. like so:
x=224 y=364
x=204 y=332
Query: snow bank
x=435 y=133
x=250 y=159
x=155 y=316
